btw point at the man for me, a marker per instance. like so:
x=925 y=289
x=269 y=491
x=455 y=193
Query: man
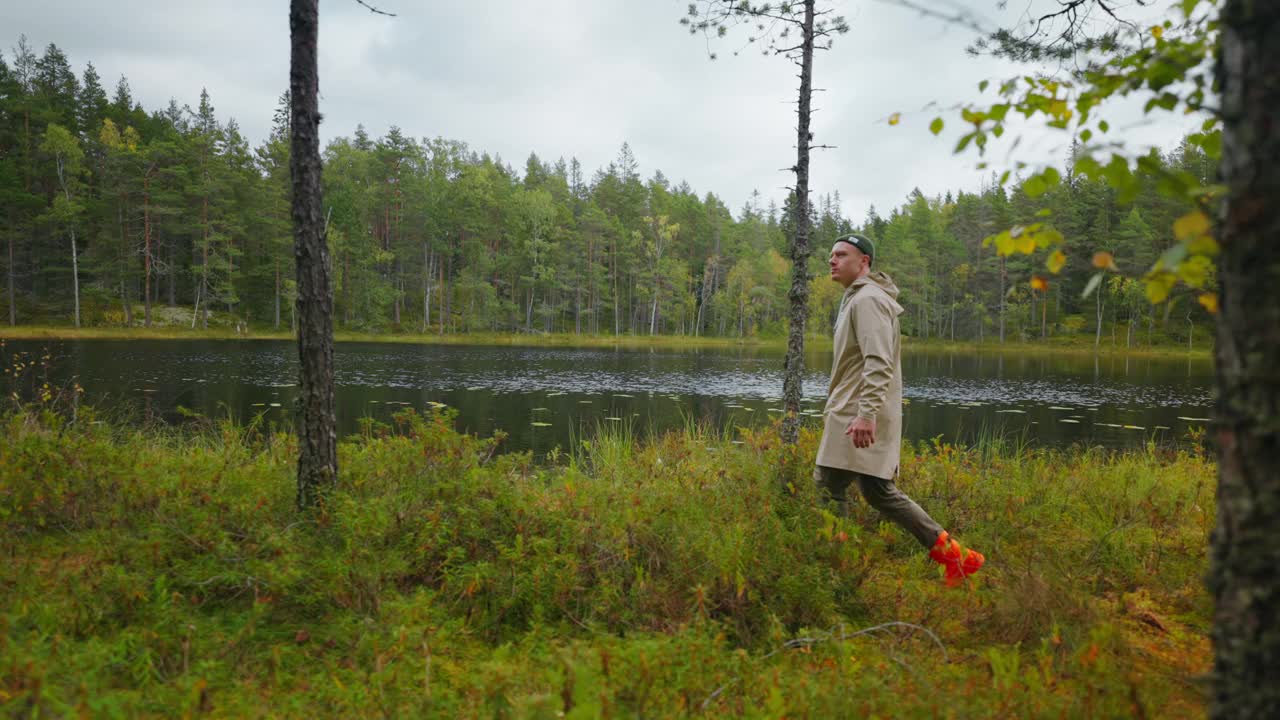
x=862 y=435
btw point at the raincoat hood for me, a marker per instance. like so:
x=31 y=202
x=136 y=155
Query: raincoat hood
x=880 y=280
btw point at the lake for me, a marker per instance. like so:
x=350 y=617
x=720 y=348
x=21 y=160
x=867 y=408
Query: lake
x=549 y=397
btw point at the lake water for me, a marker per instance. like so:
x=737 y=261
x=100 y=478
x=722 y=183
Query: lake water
x=549 y=397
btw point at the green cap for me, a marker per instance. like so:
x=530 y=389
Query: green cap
x=862 y=242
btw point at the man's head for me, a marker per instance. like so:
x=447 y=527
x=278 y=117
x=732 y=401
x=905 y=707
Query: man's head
x=851 y=257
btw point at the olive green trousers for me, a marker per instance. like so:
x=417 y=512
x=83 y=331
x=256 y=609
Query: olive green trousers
x=881 y=494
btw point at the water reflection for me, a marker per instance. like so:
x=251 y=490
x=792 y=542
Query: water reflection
x=549 y=397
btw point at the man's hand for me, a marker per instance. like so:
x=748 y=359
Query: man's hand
x=862 y=431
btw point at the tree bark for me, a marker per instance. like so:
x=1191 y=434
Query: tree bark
x=204 y=264
x=1097 y=323
x=1244 y=550
x=75 y=274
x=317 y=426
x=798 y=295
x=171 y=276
x=1002 y=277
x=277 y=297
x=426 y=286
x=146 y=247
x=13 y=310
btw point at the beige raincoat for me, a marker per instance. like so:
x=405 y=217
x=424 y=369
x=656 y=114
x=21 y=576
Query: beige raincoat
x=866 y=379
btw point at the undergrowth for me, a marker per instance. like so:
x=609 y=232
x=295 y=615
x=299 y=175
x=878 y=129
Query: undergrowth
x=150 y=572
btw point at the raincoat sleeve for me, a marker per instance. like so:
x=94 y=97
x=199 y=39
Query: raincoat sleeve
x=873 y=319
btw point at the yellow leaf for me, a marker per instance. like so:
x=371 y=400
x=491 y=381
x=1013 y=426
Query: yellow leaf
x=1003 y=243
x=895 y=118
x=1157 y=32
x=1158 y=286
x=1203 y=245
x=1209 y=301
x=1056 y=261
x=1039 y=283
x=1104 y=261
x=1192 y=225
x=1195 y=270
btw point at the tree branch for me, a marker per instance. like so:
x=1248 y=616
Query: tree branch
x=373 y=9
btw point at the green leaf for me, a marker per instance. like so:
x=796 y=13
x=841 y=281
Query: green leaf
x=1166 y=101
x=1086 y=135
x=1038 y=184
x=1048 y=237
x=1089 y=167
x=982 y=86
x=1213 y=144
x=1103 y=125
x=935 y=127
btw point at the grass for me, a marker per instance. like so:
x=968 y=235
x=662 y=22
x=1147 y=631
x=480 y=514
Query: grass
x=1065 y=344
x=41 y=332
x=1075 y=345
x=165 y=571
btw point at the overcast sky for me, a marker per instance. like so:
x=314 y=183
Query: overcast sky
x=569 y=78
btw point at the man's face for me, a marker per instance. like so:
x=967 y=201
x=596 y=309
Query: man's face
x=846 y=263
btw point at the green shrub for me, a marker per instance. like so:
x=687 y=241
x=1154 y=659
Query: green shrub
x=156 y=572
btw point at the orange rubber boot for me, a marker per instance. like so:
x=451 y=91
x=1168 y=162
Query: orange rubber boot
x=958 y=562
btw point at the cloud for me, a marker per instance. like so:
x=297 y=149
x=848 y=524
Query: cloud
x=569 y=78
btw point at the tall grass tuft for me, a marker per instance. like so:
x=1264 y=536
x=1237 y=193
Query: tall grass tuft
x=151 y=572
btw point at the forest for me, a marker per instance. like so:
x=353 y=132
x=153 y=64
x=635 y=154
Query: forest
x=119 y=215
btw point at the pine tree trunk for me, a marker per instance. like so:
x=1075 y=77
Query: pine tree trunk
x=1245 y=551
x=317 y=427
x=13 y=308
x=146 y=248
x=204 y=283
x=399 y=288
x=426 y=286
x=171 y=276
x=75 y=274
x=1097 y=332
x=1002 y=296
x=653 y=312
x=798 y=295
x=125 y=304
x=446 y=320
x=613 y=270
x=277 y=296
x=346 y=288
